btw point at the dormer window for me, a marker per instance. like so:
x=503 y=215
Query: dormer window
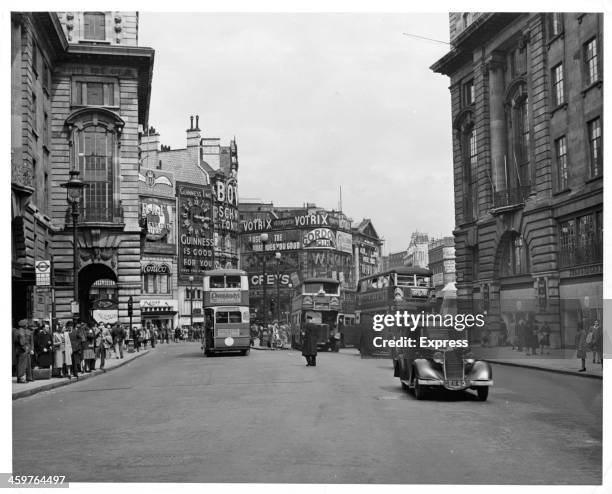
x=94 y=24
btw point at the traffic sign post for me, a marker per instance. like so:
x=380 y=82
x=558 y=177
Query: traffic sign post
x=43 y=273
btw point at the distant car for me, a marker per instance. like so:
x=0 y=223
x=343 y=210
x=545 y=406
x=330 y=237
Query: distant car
x=454 y=369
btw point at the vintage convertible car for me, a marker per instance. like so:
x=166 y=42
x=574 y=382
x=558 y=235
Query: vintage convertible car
x=421 y=369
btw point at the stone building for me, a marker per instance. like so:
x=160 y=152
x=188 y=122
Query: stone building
x=37 y=42
x=417 y=253
x=527 y=113
x=206 y=189
x=101 y=88
x=442 y=262
x=81 y=89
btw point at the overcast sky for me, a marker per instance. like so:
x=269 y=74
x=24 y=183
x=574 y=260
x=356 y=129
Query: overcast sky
x=316 y=101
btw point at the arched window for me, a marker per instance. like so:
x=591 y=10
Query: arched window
x=95 y=139
x=518 y=164
x=513 y=255
x=469 y=157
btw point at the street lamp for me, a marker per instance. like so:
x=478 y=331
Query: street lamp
x=290 y=303
x=191 y=301
x=278 y=258
x=74 y=188
x=264 y=241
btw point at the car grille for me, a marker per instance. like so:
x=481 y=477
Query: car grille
x=453 y=365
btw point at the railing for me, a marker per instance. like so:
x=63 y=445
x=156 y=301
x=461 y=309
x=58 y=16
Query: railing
x=510 y=197
x=97 y=215
x=576 y=255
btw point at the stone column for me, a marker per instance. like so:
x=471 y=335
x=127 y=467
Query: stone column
x=497 y=119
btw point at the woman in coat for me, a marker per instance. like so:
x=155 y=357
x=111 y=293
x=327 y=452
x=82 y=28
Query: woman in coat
x=89 y=349
x=581 y=346
x=62 y=351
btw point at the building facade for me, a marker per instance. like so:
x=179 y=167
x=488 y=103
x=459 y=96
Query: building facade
x=442 y=262
x=158 y=305
x=310 y=242
x=37 y=43
x=81 y=89
x=417 y=253
x=527 y=112
x=205 y=175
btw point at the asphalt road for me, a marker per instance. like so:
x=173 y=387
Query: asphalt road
x=175 y=416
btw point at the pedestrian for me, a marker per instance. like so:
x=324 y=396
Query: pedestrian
x=43 y=347
x=533 y=338
x=23 y=352
x=310 y=337
x=136 y=336
x=503 y=333
x=544 y=338
x=89 y=349
x=106 y=343
x=598 y=343
x=520 y=335
x=77 y=339
x=119 y=340
x=581 y=346
x=62 y=351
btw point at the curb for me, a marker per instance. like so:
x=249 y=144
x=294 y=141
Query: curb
x=548 y=369
x=52 y=385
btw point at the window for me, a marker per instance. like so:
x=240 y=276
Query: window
x=34 y=185
x=34 y=112
x=517 y=62
x=45 y=129
x=581 y=240
x=470 y=173
x=594 y=130
x=158 y=283
x=468 y=93
x=591 y=60
x=562 y=168
x=224 y=317
x=557 y=85
x=94 y=25
x=35 y=58
x=555 y=24
x=46 y=78
x=233 y=281
x=466 y=19
x=518 y=163
x=217 y=282
x=95 y=151
x=94 y=93
x=513 y=256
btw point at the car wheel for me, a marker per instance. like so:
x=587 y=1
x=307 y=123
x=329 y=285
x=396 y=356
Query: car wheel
x=483 y=393
x=245 y=352
x=419 y=390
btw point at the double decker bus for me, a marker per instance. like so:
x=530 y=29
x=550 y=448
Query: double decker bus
x=400 y=289
x=319 y=300
x=226 y=312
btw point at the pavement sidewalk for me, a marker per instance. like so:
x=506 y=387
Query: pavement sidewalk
x=556 y=360
x=21 y=390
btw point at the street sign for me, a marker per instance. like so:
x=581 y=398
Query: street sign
x=74 y=306
x=43 y=273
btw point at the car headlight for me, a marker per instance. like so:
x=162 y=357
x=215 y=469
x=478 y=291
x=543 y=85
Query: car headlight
x=468 y=358
x=438 y=358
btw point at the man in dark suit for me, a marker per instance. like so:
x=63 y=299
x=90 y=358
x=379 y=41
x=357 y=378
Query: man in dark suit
x=310 y=337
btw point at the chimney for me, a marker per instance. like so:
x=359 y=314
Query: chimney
x=193 y=134
x=149 y=145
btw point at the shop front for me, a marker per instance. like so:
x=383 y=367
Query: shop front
x=581 y=300
x=160 y=314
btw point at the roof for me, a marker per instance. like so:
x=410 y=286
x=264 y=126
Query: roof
x=182 y=163
x=320 y=280
x=401 y=270
x=221 y=272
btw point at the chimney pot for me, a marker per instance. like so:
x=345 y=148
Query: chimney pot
x=197 y=122
x=191 y=125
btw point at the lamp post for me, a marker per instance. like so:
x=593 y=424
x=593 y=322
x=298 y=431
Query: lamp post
x=264 y=241
x=74 y=188
x=290 y=303
x=278 y=258
x=191 y=301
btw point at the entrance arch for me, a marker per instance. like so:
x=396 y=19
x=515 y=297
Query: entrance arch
x=87 y=277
